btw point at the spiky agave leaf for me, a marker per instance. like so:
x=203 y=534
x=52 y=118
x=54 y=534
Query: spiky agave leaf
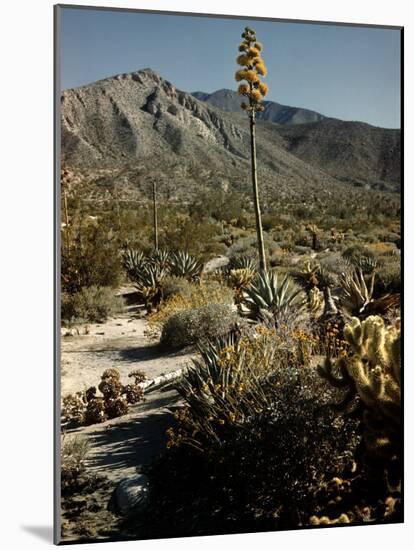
x=185 y=265
x=133 y=261
x=242 y=262
x=160 y=258
x=210 y=376
x=356 y=294
x=149 y=283
x=268 y=294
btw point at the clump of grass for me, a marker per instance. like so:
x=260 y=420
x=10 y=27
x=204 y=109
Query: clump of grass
x=74 y=452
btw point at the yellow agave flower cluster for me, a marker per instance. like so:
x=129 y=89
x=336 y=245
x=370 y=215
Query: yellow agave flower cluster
x=252 y=66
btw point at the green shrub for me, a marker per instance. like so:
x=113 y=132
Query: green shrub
x=94 y=304
x=194 y=325
x=93 y=260
x=388 y=276
x=174 y=286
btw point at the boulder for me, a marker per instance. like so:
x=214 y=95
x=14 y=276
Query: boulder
x=130 y=496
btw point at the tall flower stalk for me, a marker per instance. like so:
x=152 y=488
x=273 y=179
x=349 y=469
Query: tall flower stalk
x=155 y=213
x=251 y=87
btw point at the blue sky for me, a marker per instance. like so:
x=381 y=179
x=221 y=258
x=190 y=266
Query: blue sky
x=352 y=73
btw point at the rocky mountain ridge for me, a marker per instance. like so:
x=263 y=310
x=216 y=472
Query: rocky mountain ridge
x=126 y=129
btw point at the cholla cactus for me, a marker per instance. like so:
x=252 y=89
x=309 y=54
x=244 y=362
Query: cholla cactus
x=373 y=371
x=308 y=276
x=315 y=301
x=239 y=280
x=314 y=232
x=251 y=87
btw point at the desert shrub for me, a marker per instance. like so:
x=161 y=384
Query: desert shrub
x=196 y=237
x=388 y=275
x=93 y=260
x=358 y=254
x=280 y=257
x=74 y=451
x=93 y=304
x=269 y=221
x=188 y=295
x=194 y=325
x=253 y=443
x=175 y=285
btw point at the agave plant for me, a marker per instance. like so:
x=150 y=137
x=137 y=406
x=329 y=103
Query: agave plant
x=149 y=284
x=133 y=260
x=209 y=371
x=242 y=262
x=210 y=351
x=184 y=265
x=267 y=297
x=356 y=294
x=367 y=264
x=160 y=258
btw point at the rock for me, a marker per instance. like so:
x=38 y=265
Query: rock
x=130 y=496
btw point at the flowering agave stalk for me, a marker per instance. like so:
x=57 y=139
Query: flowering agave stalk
x=252 y=66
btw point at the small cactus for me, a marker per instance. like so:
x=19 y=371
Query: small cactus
x=373 y=372
x=315 y=301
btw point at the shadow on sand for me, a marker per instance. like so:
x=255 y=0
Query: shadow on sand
x=132 y=443
x=147 y=353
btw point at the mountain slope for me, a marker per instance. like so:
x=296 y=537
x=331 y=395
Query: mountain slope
x=124 y=130
x=129 y=127
x=229 y=100
x=353 y=152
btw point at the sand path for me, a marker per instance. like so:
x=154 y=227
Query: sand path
x=120 y=445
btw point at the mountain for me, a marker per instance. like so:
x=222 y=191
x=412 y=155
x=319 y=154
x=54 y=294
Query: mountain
x=229 y=100
x=124 y=130
x=352 y=152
